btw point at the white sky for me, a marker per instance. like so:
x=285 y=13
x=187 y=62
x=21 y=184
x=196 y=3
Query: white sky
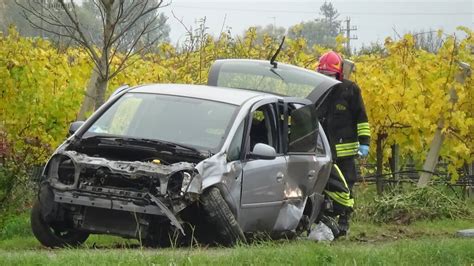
x=374 y=19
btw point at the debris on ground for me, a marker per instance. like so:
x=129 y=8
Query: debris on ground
x=466 y=233
x=321 y=233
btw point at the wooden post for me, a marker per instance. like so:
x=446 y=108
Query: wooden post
x=432 y=158
x=395 y=162
x=379 y=172
x=470 y=189
x=435 y=146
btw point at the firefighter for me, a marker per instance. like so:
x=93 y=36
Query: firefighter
x=345 y=122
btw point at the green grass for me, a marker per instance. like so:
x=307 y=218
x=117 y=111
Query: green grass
x=16 y=226
x=370 y=232
x=409 y=204
x=424 y=242
x=427 y=251
x=421 y=243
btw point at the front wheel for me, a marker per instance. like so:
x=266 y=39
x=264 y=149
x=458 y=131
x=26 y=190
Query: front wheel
x=51 y=235
x=222 y=217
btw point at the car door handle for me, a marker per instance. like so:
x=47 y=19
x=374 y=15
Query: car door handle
x=311 y=174
x=279 y=177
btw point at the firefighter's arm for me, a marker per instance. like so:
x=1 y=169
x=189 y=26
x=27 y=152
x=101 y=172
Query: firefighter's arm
x=363 y=127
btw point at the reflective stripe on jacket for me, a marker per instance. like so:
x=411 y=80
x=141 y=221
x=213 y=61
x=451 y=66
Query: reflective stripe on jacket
x=344 y=119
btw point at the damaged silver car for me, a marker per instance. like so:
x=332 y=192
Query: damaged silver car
x=168 y=163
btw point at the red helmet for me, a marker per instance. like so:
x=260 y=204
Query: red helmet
x=330 y=63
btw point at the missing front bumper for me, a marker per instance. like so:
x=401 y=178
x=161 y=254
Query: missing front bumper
x=111 y=199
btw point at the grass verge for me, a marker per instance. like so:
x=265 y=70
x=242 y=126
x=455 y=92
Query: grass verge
x=420 y=243
x=429 y=251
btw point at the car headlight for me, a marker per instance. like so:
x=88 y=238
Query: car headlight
x=186 y=181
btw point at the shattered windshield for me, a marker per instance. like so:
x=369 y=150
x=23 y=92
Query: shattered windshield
x=188 y=121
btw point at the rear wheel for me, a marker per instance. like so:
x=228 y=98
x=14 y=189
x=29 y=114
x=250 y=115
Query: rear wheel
x=54 y=235
x=222 y=217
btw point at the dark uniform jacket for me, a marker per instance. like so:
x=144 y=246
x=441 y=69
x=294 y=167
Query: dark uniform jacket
x=344 y=119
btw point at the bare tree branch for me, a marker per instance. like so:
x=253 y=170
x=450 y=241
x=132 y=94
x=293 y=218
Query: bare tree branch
x=102 y=16
x=123 y=66
x=131 y=53
x=189 y=33
x=141 y=14
x=85 y=42
x=126 y=28
x=223 y=25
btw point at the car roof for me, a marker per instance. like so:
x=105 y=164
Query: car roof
x=212 y=93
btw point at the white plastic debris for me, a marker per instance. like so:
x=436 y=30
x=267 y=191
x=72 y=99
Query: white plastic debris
x=466 y=233
x=321 y=232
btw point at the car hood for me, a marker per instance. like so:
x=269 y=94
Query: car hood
x=281 y=79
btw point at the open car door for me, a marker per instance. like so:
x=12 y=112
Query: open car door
x=278 y=78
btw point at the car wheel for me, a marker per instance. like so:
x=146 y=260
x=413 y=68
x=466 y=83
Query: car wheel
x=52 y=236
x=222 y=217
x=162 y=236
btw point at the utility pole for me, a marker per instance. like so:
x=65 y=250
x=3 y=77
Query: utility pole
x=41 y=21
x=274 y=26
x=349 y=37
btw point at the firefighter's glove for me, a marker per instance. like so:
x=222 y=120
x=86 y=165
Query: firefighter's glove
x=363 y=150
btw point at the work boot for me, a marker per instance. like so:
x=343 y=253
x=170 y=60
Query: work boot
x=332 y=224
x=343 y=224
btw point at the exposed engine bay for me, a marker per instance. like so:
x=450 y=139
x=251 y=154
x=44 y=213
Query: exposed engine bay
x=93 y=193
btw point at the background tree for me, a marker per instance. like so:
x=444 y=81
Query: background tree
x=321 y=31
x=372 y=48
x=430 y=40
x=329 y=19
x=270 y=30
x=125 y=26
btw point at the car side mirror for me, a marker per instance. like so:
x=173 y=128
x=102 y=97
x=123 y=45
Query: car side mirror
x=263 y=151
x=75 y=126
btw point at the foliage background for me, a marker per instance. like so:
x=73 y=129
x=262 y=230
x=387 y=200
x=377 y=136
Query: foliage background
x=406 y=91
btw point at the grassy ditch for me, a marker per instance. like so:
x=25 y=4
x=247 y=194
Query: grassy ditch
x=420 y=243
x=426 y=239
x=427 y=251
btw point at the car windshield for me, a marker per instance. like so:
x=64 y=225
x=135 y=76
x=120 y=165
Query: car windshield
x=198 y=123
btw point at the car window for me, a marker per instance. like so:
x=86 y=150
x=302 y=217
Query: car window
x=263 y=128
x=303 y=129
x=320 y=150
x=236 y=144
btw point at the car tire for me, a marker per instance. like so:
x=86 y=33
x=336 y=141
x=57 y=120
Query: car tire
x=161 y=236
x=49 y=237
x=222 y=217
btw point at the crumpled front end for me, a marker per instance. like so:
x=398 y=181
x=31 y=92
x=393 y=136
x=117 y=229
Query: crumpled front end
x=124 y=198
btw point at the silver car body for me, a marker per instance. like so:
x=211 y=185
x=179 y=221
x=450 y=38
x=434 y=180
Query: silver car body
x=265 y=195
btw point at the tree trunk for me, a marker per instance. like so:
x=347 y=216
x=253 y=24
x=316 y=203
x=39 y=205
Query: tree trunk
x=110 y=7
x=95 y=93
x=89 y=98
x=379 y=153
x=101 y=88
